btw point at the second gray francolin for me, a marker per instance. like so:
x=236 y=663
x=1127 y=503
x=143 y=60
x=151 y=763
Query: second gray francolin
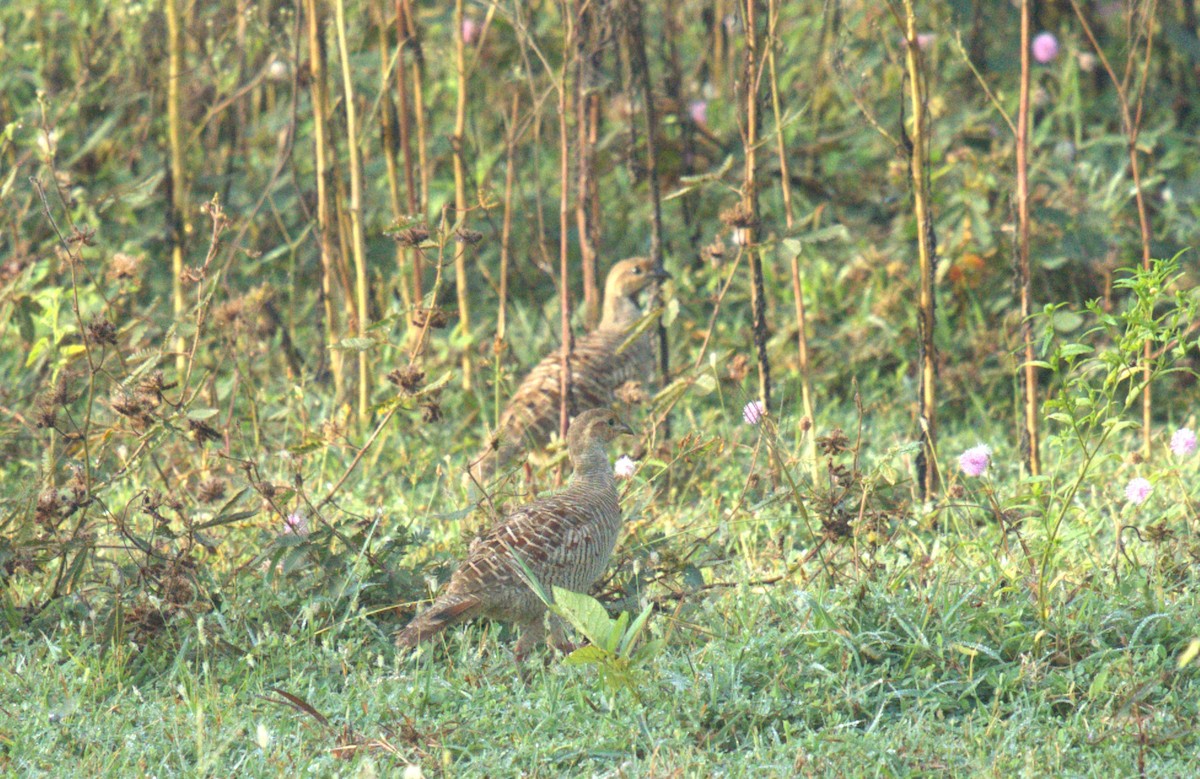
x=600 y=363
x=565 y=539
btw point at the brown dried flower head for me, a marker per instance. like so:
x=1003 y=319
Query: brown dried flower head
x=632 y=393
x=739 y=215
x=436 y=317
x=412 y=236
x=101 y=331
x=834 y=443
x=739 y=368
x=202 y=431
x=124 y=266
x=130 y=406
x=471 y=237
x=408 y=378
x=211 y=490
x=431 y=411
x=49 y=507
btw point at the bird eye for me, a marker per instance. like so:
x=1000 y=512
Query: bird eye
x=636 y=270
x=611 y=422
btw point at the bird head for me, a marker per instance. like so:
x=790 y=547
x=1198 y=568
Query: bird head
x=599 y=424
x=631 y=276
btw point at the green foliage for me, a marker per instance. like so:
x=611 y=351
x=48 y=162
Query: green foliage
x=611 y=649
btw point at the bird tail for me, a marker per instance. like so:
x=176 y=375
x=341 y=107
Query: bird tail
x=446 y=611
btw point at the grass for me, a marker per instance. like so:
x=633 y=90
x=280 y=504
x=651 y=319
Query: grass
x=925 y=656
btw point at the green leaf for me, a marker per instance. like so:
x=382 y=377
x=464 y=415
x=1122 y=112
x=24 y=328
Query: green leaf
x=585 y=614
x=588 y=655
x=355 y=344
x=201 y=414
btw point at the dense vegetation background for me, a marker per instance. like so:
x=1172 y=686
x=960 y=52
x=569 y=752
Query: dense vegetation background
x=269 y=271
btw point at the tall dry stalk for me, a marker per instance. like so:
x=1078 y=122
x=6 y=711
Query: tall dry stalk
x=510 y=167
x=587 y=115
x=640 y=66
x=1131 y=125
x=326 y=223
x=1030 y=438
x=917 y=144
x=388 y=122
x=564 y=201
x=406 y=41
x=458 y=141
x=177 y=214
x=785 y=184
x=418 y=109
x=356 y=205
x=746 y=222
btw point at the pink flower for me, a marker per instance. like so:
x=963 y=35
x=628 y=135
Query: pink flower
x=753 y=412
x=924 y=40
x=470 y=30
x=295 y=524
x=975 y=461
x=1183 y=442
x=624 y=467
x=1044 y=47
x=1137 y=491
x=698 y=110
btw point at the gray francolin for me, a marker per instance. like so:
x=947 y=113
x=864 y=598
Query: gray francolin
x=601 y=362
x=565 y=539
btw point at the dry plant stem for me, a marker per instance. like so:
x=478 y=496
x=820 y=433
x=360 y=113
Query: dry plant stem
x=785 y=185
x=927 y=401
x=505 y=241
x=402 y=119
x=641 y=66
x=419 y=345
x=418 y=111
x=1030 y=437
x=1131 y=125
x=460 y=192
x=326 y=223
x=747 y=236
x=356 y=195
x=177 y=212
x=389 y=120
x=585 y=130
x=564 y=201
x=75 y=260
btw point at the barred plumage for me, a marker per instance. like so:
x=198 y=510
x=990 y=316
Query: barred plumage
x=566 y=540
x=601 y=361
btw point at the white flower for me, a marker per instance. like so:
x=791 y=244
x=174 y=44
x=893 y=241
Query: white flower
x=624 y=467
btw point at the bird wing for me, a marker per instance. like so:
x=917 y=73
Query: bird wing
x=552 y=536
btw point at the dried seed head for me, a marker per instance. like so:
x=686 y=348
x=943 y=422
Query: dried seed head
x=471 y=237
x=408 y=378
x=431 y=411
x=45 y=416
x=412 y=237
x=834 y=443
x=739 y=215
x=211 y=490
x=151 y=386
x=49 y=507
x=632 y=393
x=124 y=266
x=739 y=368
x=436 y=317
x=714 y=252
x=130 y=406
x=101 y=331
x=202 y=431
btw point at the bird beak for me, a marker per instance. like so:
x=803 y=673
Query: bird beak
x=660 y=274
x=623 y=428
